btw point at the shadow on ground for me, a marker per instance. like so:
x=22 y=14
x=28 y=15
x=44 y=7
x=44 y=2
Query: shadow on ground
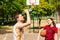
x=3 y=31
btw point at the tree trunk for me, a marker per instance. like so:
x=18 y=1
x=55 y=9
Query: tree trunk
x=58 y=15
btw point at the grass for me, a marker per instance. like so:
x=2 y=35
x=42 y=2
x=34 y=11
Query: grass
x=4 y=27
x=44 y=18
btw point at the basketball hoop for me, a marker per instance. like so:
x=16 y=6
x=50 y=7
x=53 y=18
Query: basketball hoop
x=32 y=5
x=32 y=2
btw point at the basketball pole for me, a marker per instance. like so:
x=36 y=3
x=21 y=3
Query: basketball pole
x=31 y=8
x=31 y=4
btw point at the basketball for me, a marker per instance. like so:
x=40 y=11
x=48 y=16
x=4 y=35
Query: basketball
x=43 y=33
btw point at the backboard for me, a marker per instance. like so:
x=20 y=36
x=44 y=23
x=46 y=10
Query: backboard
x=32 y=2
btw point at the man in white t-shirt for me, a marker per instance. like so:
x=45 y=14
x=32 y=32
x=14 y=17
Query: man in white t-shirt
x=18 y=31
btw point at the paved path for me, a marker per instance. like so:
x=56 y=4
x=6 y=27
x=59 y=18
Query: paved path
x=6 y=36
x=28 y=36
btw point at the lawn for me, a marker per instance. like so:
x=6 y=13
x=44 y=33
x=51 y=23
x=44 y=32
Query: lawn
x=4 y=27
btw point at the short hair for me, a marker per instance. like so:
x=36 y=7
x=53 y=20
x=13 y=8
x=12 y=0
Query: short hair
x=17 y=16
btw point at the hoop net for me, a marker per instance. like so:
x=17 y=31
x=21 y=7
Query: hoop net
x=32 y=5
x=32 y=2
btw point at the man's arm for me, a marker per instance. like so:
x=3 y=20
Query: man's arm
x=28 y=18
x=28 y=22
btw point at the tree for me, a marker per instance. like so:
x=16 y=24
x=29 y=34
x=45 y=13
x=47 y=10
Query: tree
x=10 y=7
x=45 y=9
x=57 y=4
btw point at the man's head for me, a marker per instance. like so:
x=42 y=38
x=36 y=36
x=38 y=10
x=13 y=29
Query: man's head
x=19 y=17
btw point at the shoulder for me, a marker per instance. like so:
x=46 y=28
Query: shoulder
x=19 y=25
x=15 y=24
x=45 y=27
x=55 y=29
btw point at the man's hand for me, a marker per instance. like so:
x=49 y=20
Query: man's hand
x=26 y=11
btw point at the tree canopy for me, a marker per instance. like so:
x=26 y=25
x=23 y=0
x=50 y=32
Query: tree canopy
x=45 y=8
x=11 y=6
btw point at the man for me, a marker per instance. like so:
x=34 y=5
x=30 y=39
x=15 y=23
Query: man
x=18 y=27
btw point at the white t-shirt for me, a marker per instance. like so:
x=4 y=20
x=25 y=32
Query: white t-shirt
x=14 y=32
